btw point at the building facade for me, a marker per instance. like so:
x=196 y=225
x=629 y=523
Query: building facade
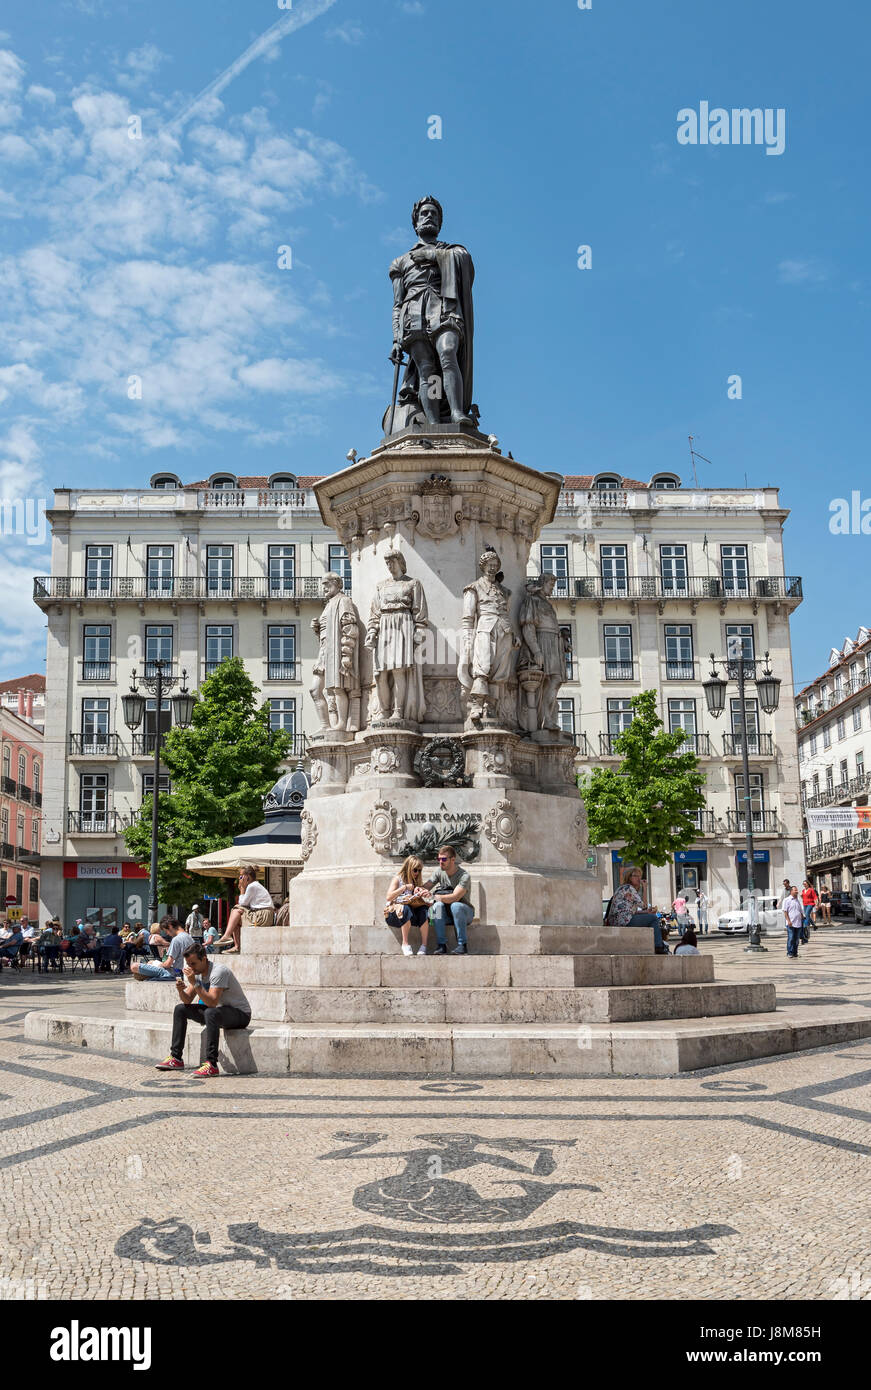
x=833 y=715
x=651 y=577
x=21 y=794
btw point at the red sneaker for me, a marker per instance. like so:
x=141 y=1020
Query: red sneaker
x=171 y=1064
x=207 y=1070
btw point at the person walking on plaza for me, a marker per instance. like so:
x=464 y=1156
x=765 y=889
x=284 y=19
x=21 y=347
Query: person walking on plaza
x=680 y=908
x=211 y=996
x=451 y=887
x=255 y=908
x=170 y=968
x=629 y=908
x=702 y=910
x=408 y=904
x=792 y=911
x=826 y=905
x=194 y=923
x=809 y=900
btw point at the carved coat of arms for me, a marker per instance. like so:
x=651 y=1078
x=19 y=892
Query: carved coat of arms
x=435 y=515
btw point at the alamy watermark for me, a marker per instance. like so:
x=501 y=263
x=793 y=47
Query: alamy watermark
x=850 y=518
x=23 y=516
x=743 y=125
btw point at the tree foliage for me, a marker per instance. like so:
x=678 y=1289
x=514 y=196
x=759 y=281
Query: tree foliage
x=219 y=768
x=648 y=801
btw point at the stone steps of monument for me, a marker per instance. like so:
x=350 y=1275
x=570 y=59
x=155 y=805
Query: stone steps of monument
x=470 y=972
x=605 y=1004
x=485 y=939
x=462 y=1050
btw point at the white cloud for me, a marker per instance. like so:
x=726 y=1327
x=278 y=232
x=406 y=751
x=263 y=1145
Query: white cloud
x=274 y=374
x=14 y=150
x=350 y=32
x=44 y=95
x=801 y=272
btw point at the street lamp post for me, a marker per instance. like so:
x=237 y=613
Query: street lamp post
x=157 y=677
x=768 y=690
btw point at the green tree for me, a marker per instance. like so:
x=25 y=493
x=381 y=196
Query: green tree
x=220 y=768
x=649 y=800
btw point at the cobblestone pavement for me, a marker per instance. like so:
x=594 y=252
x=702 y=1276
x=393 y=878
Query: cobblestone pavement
x=749 y=1181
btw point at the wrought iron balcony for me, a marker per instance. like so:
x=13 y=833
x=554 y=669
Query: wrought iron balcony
x=758 y=746
x=143 y=744
x=94 y=745
x=37 y=798
x=8 y=785
x=96 y=822
x=7 y=851
x=619 y=670
x=844 y=791
x=774 y=587
x=762 y=822
x=608 y=746
x=24 y=793
x=700 y=744
x=282 y=670
x=680 y=670
x=705 y=821
x=97 y=670
x=194 y=588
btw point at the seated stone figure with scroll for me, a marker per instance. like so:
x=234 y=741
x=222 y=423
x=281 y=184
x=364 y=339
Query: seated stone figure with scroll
x=395 y=633
x=489 y=640
x=541 y=666
x=335 y=689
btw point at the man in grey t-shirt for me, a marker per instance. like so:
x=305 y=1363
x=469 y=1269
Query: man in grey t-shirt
x=170 y=968
x=211 y=995
x=452 y=889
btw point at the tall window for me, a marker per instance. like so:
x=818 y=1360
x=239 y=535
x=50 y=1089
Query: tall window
x=7 y=762
x=751 y=718
x=219 y=646
x=160 y=566
x=22 y=769
x=149 y=723
x=857 y=719
x=282 y=715
x=860 y=764
x=94 y=800
x=34 y=837
x=158 y=646
x=734 y=562
x=740 y=641
x=815 y=784
x=282 y=569
x=281 y=658
x=682 y=715
x=618 y=652
x=97 y=652
x=679 y=664
x=614 y=569
x=844 y=773
x=568 y=643
x=555 y=560
x=4 y=824
x=95 y=724
x=827 y=736
x=566 y=715
x=673 y=559
x=163 y=783
x=98 y=569
x=37 y=776
x=757 y=800
x=338 y=563
x=620 y=715
x=20 y=840
x=219 y=569
x=813 y=745
x=841 y=726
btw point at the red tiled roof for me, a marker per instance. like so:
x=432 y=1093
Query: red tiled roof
x=584 y=481
x=251 y=480
x=33 y=682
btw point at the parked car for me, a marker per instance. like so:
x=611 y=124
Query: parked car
x=861 y=901
x=771 y=918
x=842 y=904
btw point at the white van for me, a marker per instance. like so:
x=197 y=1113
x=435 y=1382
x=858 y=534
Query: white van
x=862 y=901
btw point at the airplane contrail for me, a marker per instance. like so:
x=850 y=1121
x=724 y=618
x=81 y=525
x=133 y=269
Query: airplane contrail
x=304 y=14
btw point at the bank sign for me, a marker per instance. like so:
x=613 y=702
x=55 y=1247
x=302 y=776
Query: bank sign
x=99 y=871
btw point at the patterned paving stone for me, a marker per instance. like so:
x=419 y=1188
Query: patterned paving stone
x=748 y=1182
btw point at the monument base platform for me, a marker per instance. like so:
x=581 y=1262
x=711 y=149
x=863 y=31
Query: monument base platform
x=664 y=1048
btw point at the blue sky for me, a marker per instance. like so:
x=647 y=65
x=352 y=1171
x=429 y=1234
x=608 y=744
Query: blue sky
x=158 y=257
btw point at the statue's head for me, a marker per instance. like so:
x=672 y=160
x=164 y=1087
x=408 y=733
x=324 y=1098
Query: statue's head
x=396 y=563
x=490 y=562
x=331 y=583
x=547 y=582
x=427 y=215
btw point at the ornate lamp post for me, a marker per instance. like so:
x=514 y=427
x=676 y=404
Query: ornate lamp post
x=768 y=690
x=157 y=677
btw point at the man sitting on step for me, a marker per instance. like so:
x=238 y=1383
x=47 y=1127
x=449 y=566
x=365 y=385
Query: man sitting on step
x=452 y=889
x=211 y=995
x=171 y=966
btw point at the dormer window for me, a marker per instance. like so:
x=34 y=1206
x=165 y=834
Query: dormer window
x=607 y=482
x=665 y=482
x=282 y=482
x=222 y=482
x=165 y=482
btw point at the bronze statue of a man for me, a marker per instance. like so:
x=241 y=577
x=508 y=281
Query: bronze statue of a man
x=433 y=322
